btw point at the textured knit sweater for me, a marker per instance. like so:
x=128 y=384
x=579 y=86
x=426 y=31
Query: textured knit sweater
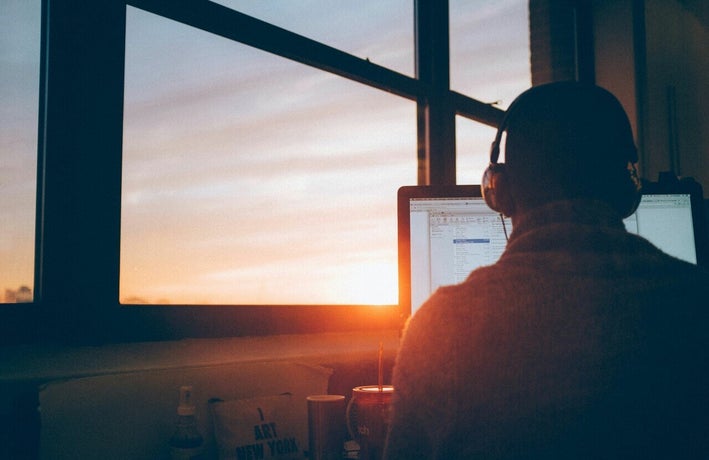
x=582 y=341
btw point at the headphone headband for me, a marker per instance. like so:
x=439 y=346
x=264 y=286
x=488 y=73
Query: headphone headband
x=521 y=100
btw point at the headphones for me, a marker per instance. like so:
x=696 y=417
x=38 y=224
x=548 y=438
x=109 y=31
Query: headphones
x=495 y=181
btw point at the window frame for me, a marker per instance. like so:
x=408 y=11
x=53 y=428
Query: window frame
x=77 y=255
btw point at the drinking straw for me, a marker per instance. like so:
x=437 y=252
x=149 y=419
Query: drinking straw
x=381 y=376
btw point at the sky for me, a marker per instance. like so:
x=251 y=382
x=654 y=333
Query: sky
x=19 y=96
x=252 y=179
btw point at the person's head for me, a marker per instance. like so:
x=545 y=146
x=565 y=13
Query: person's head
x=564 y=140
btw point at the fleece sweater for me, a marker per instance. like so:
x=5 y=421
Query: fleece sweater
x=582 y=341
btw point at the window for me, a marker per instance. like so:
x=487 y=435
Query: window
x=244 y=172
x=472 y=150
x=490 y=61
x=178 y=137
x=19 y=93
x=489 y=47
x=381 y=32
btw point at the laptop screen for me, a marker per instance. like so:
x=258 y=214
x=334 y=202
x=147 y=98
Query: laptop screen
x=445 y=232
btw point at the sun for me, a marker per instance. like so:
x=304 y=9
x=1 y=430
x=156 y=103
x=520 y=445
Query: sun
x=373 y=283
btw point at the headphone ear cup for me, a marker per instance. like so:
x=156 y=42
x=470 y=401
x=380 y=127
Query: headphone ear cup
x=630 y=197
x=495 y=190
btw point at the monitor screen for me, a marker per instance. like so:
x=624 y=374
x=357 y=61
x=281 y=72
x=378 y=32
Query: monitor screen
x=445 y=232
x=666 y=220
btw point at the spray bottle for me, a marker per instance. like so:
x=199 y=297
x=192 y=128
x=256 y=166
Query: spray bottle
x=186 y=442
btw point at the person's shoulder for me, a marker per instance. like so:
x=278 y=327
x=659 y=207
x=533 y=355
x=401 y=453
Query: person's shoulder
x=451 y=296
x=691 y=272
x=449 y=305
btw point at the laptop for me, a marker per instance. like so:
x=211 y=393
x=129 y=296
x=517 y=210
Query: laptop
x=445 y=232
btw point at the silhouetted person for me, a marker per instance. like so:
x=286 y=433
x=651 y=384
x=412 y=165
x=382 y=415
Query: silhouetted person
x=583 y=340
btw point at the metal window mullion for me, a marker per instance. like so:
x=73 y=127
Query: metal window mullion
x=436 y=123
x=80 y=161
x=233 y=25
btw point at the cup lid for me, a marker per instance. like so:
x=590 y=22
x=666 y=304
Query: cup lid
x=325 y=397
x=374 y=389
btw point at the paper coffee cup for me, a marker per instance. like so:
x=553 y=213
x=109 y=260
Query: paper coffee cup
x=326 y=426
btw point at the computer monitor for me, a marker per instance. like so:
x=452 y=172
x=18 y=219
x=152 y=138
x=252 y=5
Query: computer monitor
x=666 y=220
x=445 y=232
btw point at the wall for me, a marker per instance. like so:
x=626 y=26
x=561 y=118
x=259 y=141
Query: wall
x=651 y=54
x=677 y=108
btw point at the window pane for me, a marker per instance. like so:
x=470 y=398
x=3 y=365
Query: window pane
x=19 y=93
x=473 y=141
x=252 y=179
x=489 y=48
x=382 y=32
